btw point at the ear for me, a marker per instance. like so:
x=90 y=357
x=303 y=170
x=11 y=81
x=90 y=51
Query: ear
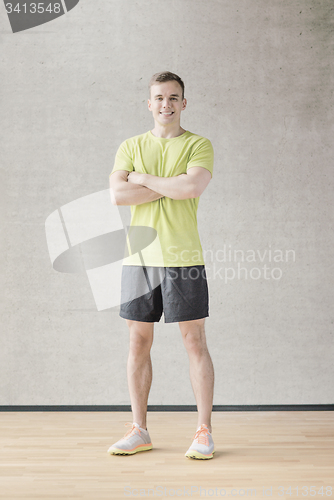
x=184 y=104
x=149 y=104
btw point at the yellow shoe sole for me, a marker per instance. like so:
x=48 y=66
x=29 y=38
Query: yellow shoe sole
x=197 y=455
x=118 y=451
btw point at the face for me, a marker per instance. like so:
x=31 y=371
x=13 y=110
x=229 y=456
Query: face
x=166 y=102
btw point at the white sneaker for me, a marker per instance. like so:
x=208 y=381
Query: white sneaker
x=136 y=439
x=202 y=447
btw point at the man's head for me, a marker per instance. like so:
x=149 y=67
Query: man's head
x=166 y=76
x=167 y=100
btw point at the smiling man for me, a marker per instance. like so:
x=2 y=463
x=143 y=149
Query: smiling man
x=162 y=174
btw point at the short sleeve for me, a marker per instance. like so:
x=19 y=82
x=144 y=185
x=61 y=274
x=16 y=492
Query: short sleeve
x=123 y=159
x=202 y=155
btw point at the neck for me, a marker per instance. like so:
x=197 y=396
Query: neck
x=167 y=132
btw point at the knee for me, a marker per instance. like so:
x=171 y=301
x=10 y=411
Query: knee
x=195 y=343
x=140 y=343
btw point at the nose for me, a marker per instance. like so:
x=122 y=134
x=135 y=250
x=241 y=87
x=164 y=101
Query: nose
x=166 y=103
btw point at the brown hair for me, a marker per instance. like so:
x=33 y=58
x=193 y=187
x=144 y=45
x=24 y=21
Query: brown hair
x=166 y=76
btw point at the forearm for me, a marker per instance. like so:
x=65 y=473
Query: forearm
x=180 y=187
x=133 y=194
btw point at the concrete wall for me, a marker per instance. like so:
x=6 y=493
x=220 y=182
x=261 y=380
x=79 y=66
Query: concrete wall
x=258 y=81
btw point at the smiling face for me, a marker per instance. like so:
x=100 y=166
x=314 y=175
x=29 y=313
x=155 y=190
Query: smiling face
x=166 y=103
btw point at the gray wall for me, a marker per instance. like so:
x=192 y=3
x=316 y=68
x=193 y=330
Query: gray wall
x=258 y=80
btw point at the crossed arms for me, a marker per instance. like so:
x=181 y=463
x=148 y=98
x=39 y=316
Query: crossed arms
x=135 y=188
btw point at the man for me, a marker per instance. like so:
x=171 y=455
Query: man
x=161 y=174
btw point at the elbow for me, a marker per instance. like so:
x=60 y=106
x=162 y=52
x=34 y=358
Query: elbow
x=187 y=194
x=195 y=191
x=114 y=197
x=118 y=201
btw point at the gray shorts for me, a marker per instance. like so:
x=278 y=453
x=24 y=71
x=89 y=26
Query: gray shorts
x=181 y=293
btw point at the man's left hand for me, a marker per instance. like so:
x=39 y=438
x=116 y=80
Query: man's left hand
x=136 y=178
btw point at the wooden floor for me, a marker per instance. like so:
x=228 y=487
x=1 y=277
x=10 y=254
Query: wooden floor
x=63 y=455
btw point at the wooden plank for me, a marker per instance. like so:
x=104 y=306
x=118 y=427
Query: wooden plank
x=58 y=455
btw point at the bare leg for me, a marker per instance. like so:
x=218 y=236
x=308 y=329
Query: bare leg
x=139 y=368
x=201 y=368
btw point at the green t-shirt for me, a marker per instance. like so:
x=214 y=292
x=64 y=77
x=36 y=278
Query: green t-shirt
x=175 y=221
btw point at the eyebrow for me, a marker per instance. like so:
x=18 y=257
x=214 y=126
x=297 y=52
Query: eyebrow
x=172 y=95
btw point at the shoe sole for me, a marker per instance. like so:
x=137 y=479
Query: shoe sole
x=118 y=451
x=198 y=456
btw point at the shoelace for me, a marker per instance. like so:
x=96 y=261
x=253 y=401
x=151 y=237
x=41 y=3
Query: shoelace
x=202 y=435
x=132 y=431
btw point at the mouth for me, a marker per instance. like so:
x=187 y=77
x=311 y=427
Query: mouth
x=167 y=114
